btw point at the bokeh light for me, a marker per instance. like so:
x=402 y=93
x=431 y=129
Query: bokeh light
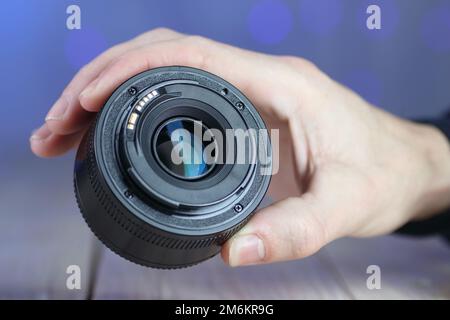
x=270 y=21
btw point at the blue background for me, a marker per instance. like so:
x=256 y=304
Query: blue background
x=403 y=68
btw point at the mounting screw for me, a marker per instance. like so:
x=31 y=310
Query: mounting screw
x=238 y=207
x=128 y=194
x=132 y=91
x=240 y=105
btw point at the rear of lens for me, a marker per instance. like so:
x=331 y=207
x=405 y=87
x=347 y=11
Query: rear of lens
x=156 y=176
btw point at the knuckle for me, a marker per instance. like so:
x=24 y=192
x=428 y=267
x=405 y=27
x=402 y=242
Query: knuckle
x=296 y=238
x=115 y=50
x=162 y=33
x=121 y=61
x=194 y=48
x=308 y=64
x=306 y=234
x=157 y=34
x=301 y=64
x=288 y=59
x=125 y=59
x=69 y=92
x=310 y=238
x=196 y=39
x=85 y=70
x=119 y=65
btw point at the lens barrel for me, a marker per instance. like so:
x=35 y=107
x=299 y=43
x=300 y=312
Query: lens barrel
x=157 y=176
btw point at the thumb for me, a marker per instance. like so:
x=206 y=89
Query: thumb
x=292 y=228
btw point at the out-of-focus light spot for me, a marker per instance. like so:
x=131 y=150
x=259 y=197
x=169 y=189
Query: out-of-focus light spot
x=436 y=28
x=320 y=17
x=366 y=84
x=269 y=21
x=83 y=45
x=390 y=18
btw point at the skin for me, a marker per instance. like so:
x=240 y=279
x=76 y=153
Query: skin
x=346 y=167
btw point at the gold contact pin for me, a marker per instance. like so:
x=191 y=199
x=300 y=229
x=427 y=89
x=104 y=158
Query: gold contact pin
x=133 y=118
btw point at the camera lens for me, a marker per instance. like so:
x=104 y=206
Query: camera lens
x=175 y=163
x=179 y=148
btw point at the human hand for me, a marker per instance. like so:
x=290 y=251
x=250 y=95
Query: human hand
x=346 y=167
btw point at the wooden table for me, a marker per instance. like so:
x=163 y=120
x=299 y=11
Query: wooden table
x=42 y=232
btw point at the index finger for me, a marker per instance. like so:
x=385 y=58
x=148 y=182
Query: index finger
x=266 y=80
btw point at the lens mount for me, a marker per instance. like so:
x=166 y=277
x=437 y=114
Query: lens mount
x=138 y=200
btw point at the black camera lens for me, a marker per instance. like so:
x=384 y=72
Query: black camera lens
x=175 y=163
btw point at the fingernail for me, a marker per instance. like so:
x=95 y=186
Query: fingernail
x=40 y=134
x=58 y=110
x=246 y=250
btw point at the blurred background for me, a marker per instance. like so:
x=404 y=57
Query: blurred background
x=403 y=68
